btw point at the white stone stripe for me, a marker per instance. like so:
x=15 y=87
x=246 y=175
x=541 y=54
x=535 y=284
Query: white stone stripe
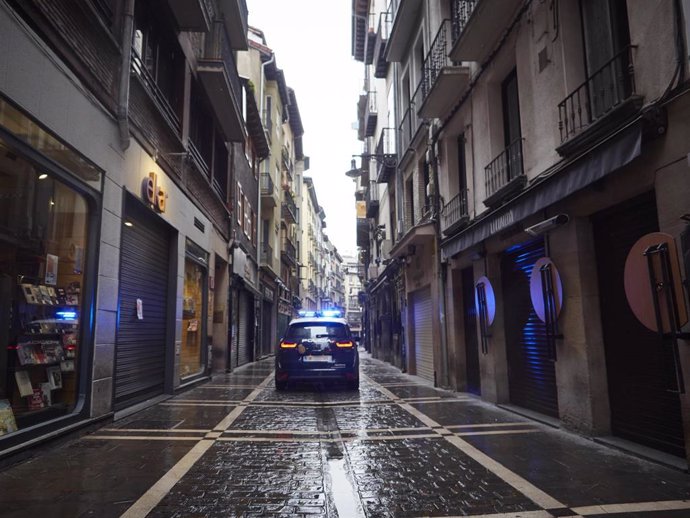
x=226 y=387
x=157 y=492
x=140 y=438
x=439 y=400
x=181 y=403
x=145 y=504
x=402 y=384
x=318 y=404
x=634 y=507
x=336 y=440
x=492 y=425
x=147 y=430
x=220 y=401
x=523 y=486
x=497 y=432
x=519 y=514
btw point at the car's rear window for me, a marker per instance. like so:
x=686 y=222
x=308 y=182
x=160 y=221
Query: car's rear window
x=312 y=330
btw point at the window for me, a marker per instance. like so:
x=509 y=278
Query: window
x=44 y=241
x=238 y=201
x=247 y=217
x=159 y=58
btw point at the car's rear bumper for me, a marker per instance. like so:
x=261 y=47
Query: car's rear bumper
x=345 y=373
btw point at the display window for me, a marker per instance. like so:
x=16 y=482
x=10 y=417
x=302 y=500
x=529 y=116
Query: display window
x=193 y=311
x=43 y=242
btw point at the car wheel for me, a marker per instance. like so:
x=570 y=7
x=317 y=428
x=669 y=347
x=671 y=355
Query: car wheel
x=281 y=385
x=353 y=385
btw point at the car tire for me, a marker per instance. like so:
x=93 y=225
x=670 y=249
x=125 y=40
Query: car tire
x=353 y=385
x=281 y=385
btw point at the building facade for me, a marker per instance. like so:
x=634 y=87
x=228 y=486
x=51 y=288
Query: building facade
x=542 y=181
x=119 y=163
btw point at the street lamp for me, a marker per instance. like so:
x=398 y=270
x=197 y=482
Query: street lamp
x=388 y=160
x=354 y=172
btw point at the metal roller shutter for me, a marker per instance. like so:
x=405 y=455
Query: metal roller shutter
x=531 y=371
x=141 y=344
x=639 y=368
x=244 y=325
x=470 y=327
x=423 y=339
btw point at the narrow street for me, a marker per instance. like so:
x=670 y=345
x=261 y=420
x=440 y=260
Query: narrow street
x=237 y=447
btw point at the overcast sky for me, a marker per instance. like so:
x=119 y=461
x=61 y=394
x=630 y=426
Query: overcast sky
x=312 y=43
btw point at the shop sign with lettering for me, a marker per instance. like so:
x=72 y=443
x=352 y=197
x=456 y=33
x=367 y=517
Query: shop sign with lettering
x=153 y=194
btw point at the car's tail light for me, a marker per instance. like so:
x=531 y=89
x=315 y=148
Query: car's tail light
x=288 y=345
x=344 y=344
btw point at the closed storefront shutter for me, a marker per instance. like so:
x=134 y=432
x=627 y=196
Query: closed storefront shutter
x=470 y=327
x=640 y=370
x=531 y=371
x=245 y=326
x=423 y=341
x=141 y=343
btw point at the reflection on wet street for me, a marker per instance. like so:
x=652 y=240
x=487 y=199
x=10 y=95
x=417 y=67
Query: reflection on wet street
x=237 y=447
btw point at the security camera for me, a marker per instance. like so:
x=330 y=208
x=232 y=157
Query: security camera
x=548 y=224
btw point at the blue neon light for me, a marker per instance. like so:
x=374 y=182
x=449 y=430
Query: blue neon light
x=66 y=315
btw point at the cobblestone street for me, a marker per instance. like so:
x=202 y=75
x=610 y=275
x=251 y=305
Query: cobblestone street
x=237 y=447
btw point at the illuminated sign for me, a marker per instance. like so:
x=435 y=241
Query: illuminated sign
x=152 y=193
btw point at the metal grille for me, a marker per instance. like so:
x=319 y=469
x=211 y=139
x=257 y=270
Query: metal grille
x=531 y=372
x=141 y=344
x=504 y=168
x=423 y=338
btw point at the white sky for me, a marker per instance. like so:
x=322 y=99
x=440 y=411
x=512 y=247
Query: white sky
x=312 y=43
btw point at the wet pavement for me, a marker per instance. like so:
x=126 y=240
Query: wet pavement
x=397 y=448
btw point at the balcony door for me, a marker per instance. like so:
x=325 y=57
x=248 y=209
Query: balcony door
x=511 y=125
x=606 y=36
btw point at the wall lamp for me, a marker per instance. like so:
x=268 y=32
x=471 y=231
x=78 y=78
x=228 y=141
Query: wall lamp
x=356 y=172
x=548 y=224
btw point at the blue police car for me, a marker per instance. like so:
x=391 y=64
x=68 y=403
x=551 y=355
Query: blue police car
x=317 y=346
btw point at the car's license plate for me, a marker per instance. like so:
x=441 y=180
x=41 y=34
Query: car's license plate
x=319 y=358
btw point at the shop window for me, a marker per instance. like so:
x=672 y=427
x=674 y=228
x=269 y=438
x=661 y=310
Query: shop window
x=193 y=311
x=43 y=243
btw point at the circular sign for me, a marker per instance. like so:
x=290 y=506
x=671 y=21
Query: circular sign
x=544 y=273
x=485 y=284
x=657 y=250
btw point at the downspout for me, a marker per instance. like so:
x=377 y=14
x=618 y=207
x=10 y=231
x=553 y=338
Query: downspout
x=259 y=221
x=125 y=65
x=440 y=265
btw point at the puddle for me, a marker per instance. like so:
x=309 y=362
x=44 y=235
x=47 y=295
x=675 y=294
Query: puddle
x=345 y=497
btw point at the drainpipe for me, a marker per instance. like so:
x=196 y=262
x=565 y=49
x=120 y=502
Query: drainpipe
x=259 y=221
x=125 y=65
x=440 y=265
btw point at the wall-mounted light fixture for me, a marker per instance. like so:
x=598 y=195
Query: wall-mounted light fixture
x=386 y=159
x=548 y=224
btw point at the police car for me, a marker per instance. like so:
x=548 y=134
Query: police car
x=317 y=346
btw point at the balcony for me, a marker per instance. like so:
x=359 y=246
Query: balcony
x=287 y=161
x=372 y=199
x=370 y=115
x=235 y=17
x=269 y=194
x=382 y=34
x=360 y=28
x=411 y=122
x=442 y=82
x=288 y=252
x=289 y=212
x=218 y=75
x=266 y=255
x=599 y=104
x=192 y=15
x=370 y=42
x=504 y=176
x=405 y=23
x=386 y=153
x=160 y=99
x=454 y=214
x=477 y=26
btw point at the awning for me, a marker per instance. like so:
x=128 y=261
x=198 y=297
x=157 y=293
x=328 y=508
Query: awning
x=561 y=183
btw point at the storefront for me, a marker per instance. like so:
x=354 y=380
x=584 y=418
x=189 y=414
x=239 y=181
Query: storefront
x=194 y=310
x=245 y=313
x=49 y=212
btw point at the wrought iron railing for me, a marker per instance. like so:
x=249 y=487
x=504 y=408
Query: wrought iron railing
x=266 y=254
x=216 y=47
x=289 y=205
x=197 y=158
x=268 y=188
x=159 y=98
x=504 y=168
x=385 y=150
x=410 y=121
x=608 y=87
x=454 y=211
x=437 y=58
x=461 y=10
x=289 y=249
